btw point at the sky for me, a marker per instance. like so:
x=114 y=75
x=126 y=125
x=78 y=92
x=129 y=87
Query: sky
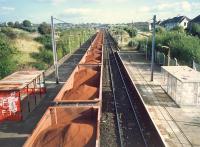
x=99 y=11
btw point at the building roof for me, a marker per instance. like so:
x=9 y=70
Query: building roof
x=158 y=22
x=183 y=73
x=18 y=80
x=196 y=19
x=177 y=19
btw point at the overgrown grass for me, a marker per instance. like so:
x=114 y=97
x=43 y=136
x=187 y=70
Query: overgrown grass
x=182 y=46
x=68 y=40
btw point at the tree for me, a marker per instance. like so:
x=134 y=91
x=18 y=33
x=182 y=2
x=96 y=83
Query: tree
x=131 y=31
x=45 y=40
x=10 y=24
x=7 y=65
x=195 y=29
x=17 y=24
x=44 y=28
x=26 y=23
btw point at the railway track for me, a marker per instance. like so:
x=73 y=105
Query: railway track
x=134 y=125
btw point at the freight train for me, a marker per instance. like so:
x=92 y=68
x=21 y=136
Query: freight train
x=74 y=119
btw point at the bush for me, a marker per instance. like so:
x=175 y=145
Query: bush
x=179 y=29
x=44 y=55
x=26 y=23
x=184 y=47
x=131 y=31
x=10 y=24
x=17 y=24
x=195 y=29
x=47 y=56
x=45 y=40
x=40 y=65
x=7 y=65
x=9 y=32
x=44 y=28
x=160 y=29
x=28 y=29
x=134 y=43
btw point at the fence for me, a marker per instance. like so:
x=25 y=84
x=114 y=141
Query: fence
x=162 y=59
x=195 y=66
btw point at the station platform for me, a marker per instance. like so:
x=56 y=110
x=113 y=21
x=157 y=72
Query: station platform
x=178 y=126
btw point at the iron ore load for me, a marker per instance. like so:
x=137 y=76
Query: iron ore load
x=74 y=119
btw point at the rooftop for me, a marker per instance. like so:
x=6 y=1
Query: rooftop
x=183 y=73
x=177 y=19
x=196 y=19
x=18 y=80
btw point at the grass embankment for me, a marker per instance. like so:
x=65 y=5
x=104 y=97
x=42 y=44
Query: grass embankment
x=26 y=45
x=16 y=47
x=67 y=40
x=21 y=50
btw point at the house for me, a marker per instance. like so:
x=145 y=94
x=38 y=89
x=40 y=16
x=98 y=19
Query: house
x=193 y=21
x=196 y=20
x=176 y=21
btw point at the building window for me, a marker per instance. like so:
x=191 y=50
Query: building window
x=185 y=23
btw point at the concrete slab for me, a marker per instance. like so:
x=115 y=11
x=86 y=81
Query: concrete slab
x=179 y=126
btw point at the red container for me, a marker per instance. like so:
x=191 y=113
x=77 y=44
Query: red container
x=20 y=92
x=67 y=126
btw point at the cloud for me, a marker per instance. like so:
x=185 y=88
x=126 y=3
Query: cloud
x=6 y=10
x=53 y=2
x=77 y=11
x=182 y=6
x=81 y=14
x=100 y=15
x=106 y=1
x=57 y=2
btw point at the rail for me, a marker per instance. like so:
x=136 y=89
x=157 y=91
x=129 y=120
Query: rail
x=135 y=117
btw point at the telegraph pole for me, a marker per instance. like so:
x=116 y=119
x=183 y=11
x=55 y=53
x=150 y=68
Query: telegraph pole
x=153 y=47
x=54 y=50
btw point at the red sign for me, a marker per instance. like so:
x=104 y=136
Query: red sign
x=10 y=106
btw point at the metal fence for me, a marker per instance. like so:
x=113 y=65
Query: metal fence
x=162 y=59
x=195 y=66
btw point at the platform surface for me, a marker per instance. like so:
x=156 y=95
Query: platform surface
x=178 y=126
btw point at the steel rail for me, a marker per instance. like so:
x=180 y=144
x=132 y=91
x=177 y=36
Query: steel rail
x=114 y=96
x=135 y=115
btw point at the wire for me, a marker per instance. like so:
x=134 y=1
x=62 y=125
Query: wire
x=59 y=20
